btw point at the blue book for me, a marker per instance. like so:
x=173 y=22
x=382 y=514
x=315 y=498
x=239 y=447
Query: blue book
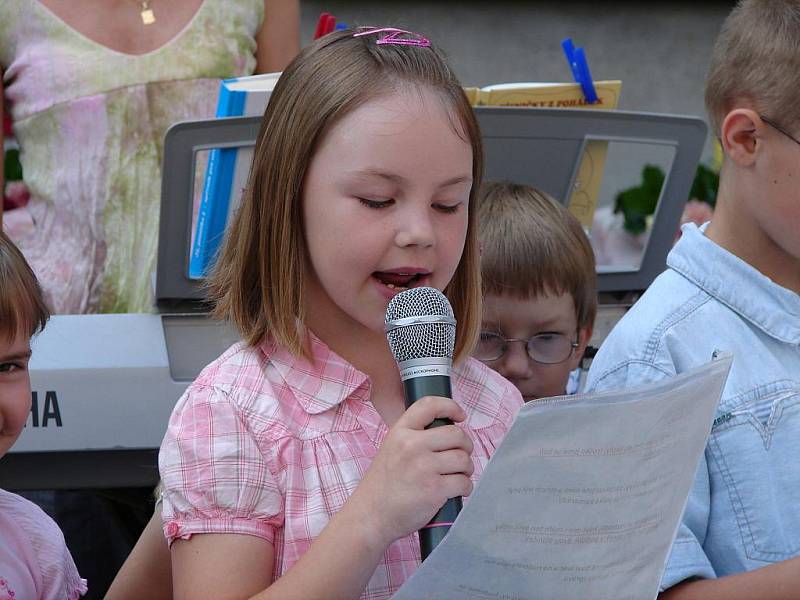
x=226 y=171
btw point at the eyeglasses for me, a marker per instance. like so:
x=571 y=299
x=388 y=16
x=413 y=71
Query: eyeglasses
x=777 y=127
x=544 y=348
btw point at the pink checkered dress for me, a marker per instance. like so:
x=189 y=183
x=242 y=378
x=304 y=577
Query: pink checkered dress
x=268 y=444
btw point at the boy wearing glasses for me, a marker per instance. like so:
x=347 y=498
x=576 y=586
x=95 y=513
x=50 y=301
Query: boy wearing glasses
x=540 y=289
x=733 y=285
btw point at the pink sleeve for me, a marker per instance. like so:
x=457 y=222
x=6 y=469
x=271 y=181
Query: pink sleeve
x=60 y=578
x=216 y=478
x=41 y=544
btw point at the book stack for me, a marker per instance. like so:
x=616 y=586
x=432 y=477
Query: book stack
x=227 y=170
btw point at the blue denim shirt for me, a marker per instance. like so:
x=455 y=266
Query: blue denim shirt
x=744 y=508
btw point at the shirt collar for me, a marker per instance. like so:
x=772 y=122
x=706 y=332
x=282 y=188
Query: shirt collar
x=321 y=384
x=745 y=290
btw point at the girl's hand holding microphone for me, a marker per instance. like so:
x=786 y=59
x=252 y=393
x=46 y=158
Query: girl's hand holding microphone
x=416 y=470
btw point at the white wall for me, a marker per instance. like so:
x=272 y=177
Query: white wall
x=660 y=49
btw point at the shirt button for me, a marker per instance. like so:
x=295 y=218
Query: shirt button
x=172 y=529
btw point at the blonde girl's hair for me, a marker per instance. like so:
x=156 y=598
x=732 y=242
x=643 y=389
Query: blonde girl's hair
x=22 y=307
x=532 y=246
x=258 y=281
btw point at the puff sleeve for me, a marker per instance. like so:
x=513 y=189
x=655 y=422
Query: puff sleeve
x=216 y=473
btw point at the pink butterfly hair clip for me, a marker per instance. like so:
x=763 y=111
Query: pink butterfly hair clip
x=397 y=37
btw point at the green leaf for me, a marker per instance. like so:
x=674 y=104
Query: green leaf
x=705 y=185
x=639 y=202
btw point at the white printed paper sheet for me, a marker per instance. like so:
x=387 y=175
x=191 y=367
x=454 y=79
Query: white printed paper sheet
x=582 y=499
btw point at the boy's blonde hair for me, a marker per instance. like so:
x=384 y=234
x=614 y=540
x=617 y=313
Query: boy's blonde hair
x=22 y=307
x=532 y=246
x=757 y=58
x=258 y=281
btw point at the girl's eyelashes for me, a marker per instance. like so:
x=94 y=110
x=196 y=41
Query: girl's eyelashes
x=371 y=203
x=375 y=203
x=447 y=208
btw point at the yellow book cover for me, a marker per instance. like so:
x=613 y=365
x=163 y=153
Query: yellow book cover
x=472 y=95
x=583 y=200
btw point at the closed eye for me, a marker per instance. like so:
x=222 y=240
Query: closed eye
x=376 y=203
x=447 y=208
x=548 y=336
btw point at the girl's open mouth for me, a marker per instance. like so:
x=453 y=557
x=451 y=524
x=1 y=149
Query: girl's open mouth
x=399 y=281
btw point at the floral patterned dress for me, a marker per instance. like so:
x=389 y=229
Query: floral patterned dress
x=90 y=122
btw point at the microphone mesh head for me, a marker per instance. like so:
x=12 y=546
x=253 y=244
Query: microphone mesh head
x=424 y=340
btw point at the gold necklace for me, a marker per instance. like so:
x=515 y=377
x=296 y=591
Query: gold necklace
x=148 y=17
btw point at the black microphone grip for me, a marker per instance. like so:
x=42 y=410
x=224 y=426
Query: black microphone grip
x=433 y=533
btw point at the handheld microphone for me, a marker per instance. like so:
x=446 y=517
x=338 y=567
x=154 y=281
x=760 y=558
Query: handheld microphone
x=421 y=331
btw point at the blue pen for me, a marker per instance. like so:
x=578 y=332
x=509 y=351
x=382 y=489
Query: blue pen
x=340 y=26
x=576 y=57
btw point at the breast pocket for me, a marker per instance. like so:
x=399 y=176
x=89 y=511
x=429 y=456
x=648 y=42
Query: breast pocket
x=753 y=451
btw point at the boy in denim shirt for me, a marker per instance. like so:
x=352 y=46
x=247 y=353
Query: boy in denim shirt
x=733 y=285
x=539 y=286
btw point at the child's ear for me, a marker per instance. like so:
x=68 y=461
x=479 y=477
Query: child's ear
x=740 y=134
x=584 y=335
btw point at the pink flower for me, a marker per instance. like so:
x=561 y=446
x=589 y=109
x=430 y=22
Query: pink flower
x=696 y=212
x=16 y=195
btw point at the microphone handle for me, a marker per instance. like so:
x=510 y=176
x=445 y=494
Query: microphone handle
x=433 y=533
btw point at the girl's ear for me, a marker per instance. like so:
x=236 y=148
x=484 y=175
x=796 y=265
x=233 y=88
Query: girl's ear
x=740 y=135
x=584 y=335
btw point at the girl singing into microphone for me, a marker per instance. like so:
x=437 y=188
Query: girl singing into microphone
x=290 y=466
